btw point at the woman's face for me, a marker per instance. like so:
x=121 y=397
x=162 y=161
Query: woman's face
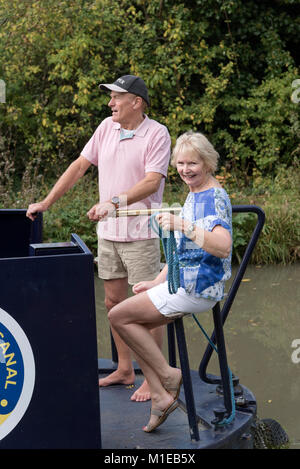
x=192 y=170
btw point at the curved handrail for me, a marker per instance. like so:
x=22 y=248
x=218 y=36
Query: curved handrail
x=235 y=284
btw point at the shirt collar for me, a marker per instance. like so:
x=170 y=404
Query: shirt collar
x=142 y=128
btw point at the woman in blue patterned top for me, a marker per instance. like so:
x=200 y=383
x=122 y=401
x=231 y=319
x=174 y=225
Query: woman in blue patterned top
x=204 y=240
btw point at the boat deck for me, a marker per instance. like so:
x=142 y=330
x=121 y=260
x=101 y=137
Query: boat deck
x=122 y=420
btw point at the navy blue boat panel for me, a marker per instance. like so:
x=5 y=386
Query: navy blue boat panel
x=52 y=300
x=17 y=232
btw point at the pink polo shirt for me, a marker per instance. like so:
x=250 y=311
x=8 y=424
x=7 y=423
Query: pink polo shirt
x=121 y=165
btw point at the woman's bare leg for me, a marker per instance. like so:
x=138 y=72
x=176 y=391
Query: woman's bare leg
x=133 y=319
x=143 y=393
x=160 y=398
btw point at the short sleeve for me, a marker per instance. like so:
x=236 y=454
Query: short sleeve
x=91 y=149
x=223 y=211
x=158 y=156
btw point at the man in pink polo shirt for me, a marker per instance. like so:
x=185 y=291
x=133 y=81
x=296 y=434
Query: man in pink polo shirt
x=132 y=154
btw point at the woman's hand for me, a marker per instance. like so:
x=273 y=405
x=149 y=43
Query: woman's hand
x=170 y=222
x=143 y=286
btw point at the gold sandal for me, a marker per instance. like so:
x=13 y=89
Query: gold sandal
x=177 y=389
x=162 y=414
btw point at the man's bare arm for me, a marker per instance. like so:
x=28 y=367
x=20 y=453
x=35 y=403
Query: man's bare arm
x=67 y=180
x=147 y=186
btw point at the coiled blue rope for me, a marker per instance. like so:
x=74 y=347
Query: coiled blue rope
x=170 y=250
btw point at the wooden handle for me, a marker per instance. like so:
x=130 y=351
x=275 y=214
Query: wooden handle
x=146 y=211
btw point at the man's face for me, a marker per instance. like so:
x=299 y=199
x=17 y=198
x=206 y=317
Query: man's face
x=122 y=107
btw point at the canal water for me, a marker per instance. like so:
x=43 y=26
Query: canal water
x=262 y=334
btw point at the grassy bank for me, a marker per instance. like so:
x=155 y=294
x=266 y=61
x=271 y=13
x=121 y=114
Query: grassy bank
x=278 y=197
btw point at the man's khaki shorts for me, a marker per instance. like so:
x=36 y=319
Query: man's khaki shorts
x=137 y=260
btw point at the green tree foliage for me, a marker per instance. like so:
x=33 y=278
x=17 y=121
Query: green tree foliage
x=219 y=66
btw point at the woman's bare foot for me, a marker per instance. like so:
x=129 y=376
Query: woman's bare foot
x=142 y=394
x=117 y=377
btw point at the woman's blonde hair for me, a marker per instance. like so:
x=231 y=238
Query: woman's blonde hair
x=195 y=141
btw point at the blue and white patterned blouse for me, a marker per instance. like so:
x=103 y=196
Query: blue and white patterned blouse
x=202 y=274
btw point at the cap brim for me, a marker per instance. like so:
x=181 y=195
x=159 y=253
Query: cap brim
x=112 y=87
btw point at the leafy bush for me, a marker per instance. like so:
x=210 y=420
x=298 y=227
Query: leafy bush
x=69 y=214
x=222 y=67
x=219 y=66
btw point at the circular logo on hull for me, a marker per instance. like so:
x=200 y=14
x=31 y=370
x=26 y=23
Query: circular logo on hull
x=17 y=373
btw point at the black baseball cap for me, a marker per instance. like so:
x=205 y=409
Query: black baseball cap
x=128 y=84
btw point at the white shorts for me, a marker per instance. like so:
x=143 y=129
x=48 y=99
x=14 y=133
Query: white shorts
x=177 y=304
